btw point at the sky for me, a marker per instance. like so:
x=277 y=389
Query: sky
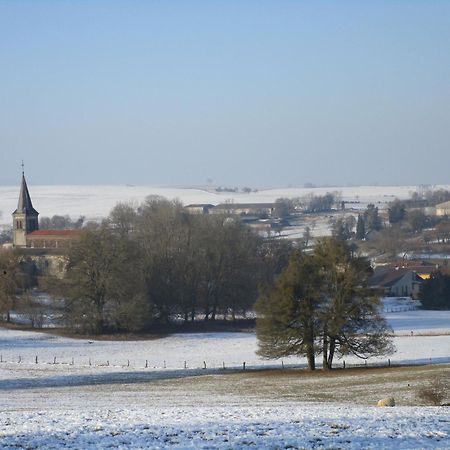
x=233 y=93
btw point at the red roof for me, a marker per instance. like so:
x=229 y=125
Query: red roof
x=54 y=233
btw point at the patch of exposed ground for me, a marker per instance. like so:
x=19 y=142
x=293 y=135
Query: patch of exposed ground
x=355 y=386
x=359 y=386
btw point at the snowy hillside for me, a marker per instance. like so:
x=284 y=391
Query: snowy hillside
x=95 y=202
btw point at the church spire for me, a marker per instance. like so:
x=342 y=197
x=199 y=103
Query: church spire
x=24 y=205
x=25 y=217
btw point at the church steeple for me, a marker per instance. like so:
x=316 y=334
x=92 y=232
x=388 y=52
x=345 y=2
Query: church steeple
x=25 y=205
x=25 y=217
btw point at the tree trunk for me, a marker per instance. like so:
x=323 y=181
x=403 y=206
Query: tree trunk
x=310 y=357
x=331 y=353
x=310 y=353
x=325 y=350
x=326 y=361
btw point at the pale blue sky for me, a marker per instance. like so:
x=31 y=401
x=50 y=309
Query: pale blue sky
x=259 y=93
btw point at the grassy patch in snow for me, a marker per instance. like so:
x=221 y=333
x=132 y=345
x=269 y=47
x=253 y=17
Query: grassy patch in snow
x=364 y=386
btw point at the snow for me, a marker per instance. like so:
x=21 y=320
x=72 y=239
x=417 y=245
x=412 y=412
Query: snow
x=95 y=202
x=225 y=427
x=420 y=322
x=398 y=304
x=74 y=404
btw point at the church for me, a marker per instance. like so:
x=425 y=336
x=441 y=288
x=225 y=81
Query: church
x=26 y=232
x=43 y=251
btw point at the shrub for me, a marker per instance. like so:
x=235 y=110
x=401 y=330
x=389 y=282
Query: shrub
x=435 y=391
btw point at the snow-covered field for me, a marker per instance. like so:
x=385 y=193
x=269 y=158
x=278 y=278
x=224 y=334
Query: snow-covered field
x=81 y=402
x=95 y=202
x=285 y=426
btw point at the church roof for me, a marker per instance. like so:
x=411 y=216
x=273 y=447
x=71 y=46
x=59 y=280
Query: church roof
x=55 y=233
x=25 y=205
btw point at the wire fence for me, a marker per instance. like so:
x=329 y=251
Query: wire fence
x=143 y=364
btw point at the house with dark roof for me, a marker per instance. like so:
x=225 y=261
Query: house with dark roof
x=396 y=282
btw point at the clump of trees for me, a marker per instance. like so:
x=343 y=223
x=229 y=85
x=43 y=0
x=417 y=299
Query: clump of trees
x=342 y=228
x=320 y=305
x=15 y=281
x=60 y=223
x=321 y=203
x=360 y=228
x=10 y=282
x=372 y=219
x=156 y=264
x=396 y=211
x=436 y=292
x=428 y=197
x=5 y=235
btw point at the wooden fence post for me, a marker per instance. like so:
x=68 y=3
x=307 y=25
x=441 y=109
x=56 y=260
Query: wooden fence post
x=243 y=365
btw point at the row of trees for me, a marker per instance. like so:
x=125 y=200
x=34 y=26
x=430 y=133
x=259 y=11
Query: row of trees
x=320 y=305
x=309 y=203
x=60 y=223
x=402 y=223
x=156 y=264
x=428 y=197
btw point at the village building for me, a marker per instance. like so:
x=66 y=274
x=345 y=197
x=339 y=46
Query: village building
x=401 y=280
x=42 y=249
x=443 y=209
x=198 y=208
x=243 y=209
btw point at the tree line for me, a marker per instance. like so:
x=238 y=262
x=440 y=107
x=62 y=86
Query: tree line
x=157 y=264
x=154 y=264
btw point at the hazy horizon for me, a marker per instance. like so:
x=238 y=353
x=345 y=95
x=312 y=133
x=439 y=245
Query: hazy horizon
x=257 y=93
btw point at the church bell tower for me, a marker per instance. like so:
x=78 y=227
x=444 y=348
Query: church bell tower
x=25 y=217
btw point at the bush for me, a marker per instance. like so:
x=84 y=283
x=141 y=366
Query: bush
x=435 y=391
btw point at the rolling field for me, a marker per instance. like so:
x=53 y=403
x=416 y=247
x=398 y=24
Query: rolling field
x=117 y=402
